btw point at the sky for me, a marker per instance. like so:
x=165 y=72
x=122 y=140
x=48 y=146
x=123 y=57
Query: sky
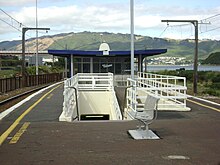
x=64 y=16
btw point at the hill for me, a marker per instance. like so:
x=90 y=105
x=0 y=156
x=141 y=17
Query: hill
x=92 y=40
x=213 y=58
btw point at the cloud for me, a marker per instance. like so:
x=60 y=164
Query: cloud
x=112 y=17
x=91 y=17
x=15 y=2
x=18 y=3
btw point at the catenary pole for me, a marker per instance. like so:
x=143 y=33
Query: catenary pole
x=195 y=68
x=36 y=41
x=24 y=30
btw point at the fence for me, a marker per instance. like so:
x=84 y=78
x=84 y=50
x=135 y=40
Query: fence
x=10 y=84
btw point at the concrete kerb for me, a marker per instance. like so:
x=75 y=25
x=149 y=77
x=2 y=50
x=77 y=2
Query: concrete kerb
x=11 y=109
x=207 y=101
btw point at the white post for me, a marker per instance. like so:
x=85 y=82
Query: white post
x=91 y=65
x=65 y=67
x=71 y=65
x=132 y=37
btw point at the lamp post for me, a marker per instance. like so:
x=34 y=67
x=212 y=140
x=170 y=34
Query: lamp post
x=132 y=36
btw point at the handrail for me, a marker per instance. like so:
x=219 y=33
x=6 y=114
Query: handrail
x=170 y=89
x=77 y=107
x=85 y=82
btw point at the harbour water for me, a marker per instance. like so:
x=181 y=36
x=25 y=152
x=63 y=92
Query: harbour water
x=187 y=67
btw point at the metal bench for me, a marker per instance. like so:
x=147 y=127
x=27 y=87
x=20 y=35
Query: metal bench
x=146 y=116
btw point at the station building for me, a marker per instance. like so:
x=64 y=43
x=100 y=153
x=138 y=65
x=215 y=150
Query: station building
x=104 y=60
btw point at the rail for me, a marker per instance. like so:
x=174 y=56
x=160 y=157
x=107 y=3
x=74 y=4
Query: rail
x=170 y=89
x=86 y=82
x=132 y=95
x=91 y=81
x=116 y=106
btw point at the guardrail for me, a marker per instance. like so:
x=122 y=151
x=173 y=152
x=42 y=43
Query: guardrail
x=170 y=89
x=86 y=82
x=10 y=84
x=91 y=81
x=121 y=80
x=132 y=94
x=116 y=106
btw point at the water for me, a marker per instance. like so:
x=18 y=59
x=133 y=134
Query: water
x=187 y=67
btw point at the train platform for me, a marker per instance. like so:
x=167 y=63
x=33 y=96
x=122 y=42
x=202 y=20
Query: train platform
x=32 y=135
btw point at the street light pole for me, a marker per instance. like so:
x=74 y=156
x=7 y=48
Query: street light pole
x=132 y=37
x=195 y=68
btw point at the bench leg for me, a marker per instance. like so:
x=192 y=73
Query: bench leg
x=143 y=132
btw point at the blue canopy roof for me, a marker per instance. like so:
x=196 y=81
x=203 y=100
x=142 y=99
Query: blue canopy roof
x=93 y=53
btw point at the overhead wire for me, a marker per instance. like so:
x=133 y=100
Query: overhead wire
x=216 y=15
x=51 y=37
x=13 y=20
x=10 y=25
x=207 y=19
x=211 y=30
x=201 y=22
x=164 y=30
x=55 y=41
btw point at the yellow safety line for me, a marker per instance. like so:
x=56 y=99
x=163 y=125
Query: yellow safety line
x=203 y=105
x=51 y=95
x=17 y=136
x=13 y=126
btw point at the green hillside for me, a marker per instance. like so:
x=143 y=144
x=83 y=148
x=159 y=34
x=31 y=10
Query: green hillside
x=176 y=48
x=213 y=58
x=92 y=40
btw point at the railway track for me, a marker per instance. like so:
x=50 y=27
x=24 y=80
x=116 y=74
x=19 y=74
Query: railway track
x=14 y=99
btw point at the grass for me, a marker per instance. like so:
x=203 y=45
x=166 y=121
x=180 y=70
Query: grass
x=8 y=73
x=208 y=81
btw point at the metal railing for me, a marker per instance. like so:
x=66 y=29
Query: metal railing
x=170 y=89
x=121 y=80
x=116 y=106
x=87 y=82
x=10 y=84
x=132 y=94
x=91 y=81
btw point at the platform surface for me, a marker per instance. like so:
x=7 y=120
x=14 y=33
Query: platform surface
x=187 y=138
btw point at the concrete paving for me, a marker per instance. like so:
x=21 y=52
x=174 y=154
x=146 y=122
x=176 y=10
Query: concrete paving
x=187 y=138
